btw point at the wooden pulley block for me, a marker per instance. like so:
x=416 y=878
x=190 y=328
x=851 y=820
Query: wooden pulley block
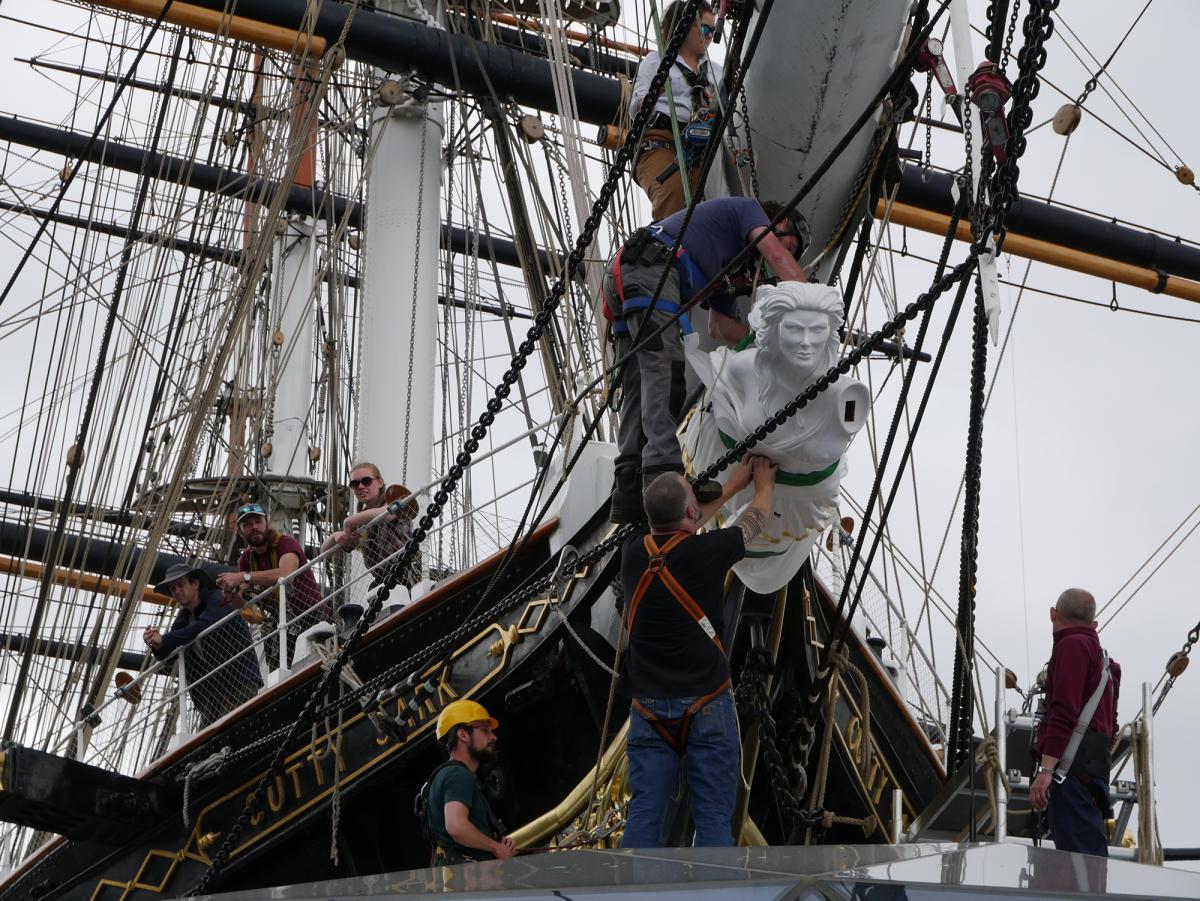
x=335 y=57
x=252 y=614
x=394 y=493
x=1177 y=664
x=1010 y=678
x=1067 y=119
x=354 y=240
x=314 y=454
x=391 y=92
x=1185 y=175
x=266 y=449
x=532 y=129
x=277 y=338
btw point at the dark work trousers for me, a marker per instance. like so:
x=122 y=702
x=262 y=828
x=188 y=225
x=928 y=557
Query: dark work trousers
x=652 y=395
x=1075 y=821
x=653 y=386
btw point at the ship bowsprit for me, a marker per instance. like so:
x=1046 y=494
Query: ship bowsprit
x=537 y=661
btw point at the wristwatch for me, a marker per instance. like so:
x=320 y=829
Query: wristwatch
x=245 y=577
x=1044 y=769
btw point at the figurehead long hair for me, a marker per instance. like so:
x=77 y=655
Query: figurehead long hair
x=772 y=303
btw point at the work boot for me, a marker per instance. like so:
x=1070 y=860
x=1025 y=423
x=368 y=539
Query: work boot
x=626 y=496
x=706 y=489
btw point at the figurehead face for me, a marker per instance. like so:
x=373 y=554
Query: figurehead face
x=796 y=328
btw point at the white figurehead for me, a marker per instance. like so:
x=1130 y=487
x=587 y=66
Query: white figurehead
x=796 y=338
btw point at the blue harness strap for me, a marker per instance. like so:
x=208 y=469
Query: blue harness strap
x=642 y=302
x=691 y=278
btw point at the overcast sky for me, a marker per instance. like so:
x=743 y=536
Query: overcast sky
x=1090 y=440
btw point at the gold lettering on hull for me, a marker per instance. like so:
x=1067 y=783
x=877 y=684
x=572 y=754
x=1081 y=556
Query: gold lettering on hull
x=875 y=778
x=305 y=781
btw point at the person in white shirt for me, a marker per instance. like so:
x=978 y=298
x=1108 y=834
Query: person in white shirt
x=695 y=80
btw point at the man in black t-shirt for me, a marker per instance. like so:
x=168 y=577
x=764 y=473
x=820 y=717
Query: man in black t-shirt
x=676 y=670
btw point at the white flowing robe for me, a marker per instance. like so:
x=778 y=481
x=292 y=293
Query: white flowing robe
x=808 y=447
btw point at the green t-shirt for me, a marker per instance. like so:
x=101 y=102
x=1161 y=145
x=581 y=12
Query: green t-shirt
x=457 y=783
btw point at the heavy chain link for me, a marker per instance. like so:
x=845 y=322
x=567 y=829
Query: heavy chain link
x=478 y=432
x=848 y=362
x=1037 y=28
x=745 y=108
x=961 y=702
x=1008 y=39
x=753 y=700
x=927 y=163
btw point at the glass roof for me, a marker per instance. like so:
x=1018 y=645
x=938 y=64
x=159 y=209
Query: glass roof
x=868 y=872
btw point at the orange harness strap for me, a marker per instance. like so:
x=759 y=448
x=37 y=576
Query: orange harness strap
x=674 y=730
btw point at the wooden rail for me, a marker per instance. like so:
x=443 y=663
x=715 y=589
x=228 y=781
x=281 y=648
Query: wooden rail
x=1046 y=252
x=219 y=23
x=74 y=578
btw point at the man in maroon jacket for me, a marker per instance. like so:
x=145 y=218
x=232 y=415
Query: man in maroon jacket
x=1077 y=795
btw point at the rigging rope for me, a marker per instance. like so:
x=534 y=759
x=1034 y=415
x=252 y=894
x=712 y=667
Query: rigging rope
x=470 y=446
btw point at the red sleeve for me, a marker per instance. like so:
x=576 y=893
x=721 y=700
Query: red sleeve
x=1068 y=671
x=244 y=561
x=289 y=545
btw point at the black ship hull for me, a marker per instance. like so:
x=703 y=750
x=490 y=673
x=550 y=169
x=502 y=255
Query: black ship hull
x=347 y=791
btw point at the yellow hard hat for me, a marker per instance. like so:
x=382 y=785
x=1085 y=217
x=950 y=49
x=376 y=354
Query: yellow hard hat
x=460 y=713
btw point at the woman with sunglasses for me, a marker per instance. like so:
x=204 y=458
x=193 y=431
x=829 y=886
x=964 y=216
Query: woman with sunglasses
x=386 y=538
x=695 y=80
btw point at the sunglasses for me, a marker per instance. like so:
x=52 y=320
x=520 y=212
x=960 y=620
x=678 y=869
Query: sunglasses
x=365 y=481
x=707 y=31
x=250 y=510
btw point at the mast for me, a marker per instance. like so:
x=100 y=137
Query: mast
x=294 y=291
x=400 y=280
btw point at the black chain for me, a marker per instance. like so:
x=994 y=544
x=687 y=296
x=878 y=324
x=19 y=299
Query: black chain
x=848 y=362
x=1008 y=39
x=962 y=695
x=470 y=446
x=1037 y=28
x=753 y=701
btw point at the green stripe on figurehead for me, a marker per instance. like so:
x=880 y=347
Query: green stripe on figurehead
x=793 y=479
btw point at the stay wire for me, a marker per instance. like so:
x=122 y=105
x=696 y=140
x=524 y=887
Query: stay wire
x=125 y=81
x=462 y=461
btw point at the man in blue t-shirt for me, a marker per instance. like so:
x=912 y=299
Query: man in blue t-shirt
x=652 y=381
x=459 y=821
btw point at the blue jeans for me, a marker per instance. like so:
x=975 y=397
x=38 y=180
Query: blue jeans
x=711 y=765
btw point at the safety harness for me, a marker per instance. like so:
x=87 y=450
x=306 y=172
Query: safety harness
x=650 y=247
x=439 y=854
x=1063 y=767
x=674 y=730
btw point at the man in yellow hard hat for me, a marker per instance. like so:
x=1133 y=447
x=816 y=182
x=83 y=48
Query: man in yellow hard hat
x=457 y=818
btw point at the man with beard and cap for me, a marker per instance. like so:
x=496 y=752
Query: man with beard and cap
x=385 y=539
x=458 y=819
x=269 y=558
x=226 y=647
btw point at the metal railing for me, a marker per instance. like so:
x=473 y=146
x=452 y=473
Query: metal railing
x=916 y=676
